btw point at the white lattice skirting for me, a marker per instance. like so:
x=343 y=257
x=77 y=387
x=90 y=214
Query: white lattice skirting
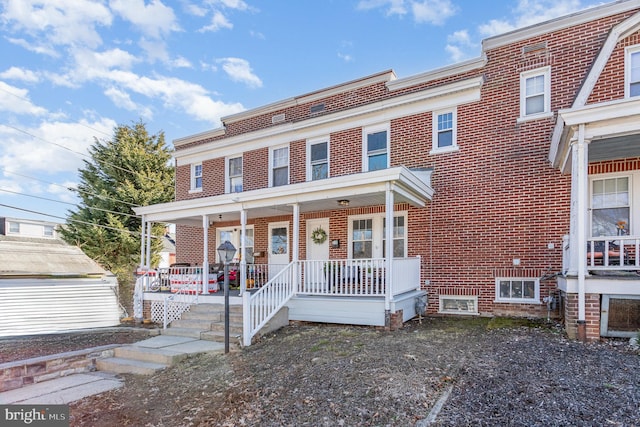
x=174 y=311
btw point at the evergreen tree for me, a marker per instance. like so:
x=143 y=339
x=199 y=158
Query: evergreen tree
x=132 y=169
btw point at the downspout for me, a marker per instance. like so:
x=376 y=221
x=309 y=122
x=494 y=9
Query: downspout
x=580 y=153
x=243 y=251
x=389 y=252
x=205 y=254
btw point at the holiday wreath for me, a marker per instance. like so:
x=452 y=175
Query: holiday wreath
x=318 y=236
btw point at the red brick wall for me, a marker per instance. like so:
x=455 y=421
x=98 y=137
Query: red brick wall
x=255 y=170
x=592 y=315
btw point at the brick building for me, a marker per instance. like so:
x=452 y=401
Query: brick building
x=509 y=181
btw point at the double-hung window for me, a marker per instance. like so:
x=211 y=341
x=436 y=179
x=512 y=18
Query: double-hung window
x=367 y=235
x=610 y=206
x=535 y=93
x=234 y=174
x=632 y=71
x=399 y=240
x=196 y=177
x=317 y=159
x=376 y=148
x=444 y=131
x=279 y=166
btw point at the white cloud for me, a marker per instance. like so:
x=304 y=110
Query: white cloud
x=393 y=7
x=345 y=57
x=153 y=19
x=218 y=22
x=57 y=22
x=495 y=27
x=434 y=12
x=16 y=101
x=122 y=99
x=181 y=62
x=239 y=70
x=460 y=37
x=21 y=74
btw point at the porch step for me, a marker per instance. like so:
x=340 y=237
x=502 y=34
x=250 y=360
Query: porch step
x=235 y=327
x=148 y=354
x=120 y=365
x=218 y=336
x=202 y=324
x=183 y=332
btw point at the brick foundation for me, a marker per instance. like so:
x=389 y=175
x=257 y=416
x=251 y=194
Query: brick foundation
x=592 y=316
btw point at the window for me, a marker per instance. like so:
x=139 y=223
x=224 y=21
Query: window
x=234 y=175
x=232 y=234
x=317 y=160
x=279 y=166
x=14 y=227
x=444 y=131
x=47 y=231
x=367 y=235
x=632 y=72
x=517 y=289
x=535 y=93
x=196 y=177
x=362 y=238
x=610 y=206
x=458 y=304
x=376 y=148
x=399 y=232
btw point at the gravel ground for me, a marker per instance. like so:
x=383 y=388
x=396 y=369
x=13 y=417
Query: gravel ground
x=440 y=372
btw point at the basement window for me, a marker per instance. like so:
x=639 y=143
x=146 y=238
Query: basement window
x=518 y=290
x=458 y=304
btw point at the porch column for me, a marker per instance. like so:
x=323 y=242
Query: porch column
x=296 y=243
x=243 y=251
x=142 y=239
x=579 y=180
x=205 y=255
x=388 y=250
x=148 y=249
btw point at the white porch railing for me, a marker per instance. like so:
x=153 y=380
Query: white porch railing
x=352 y=277
x=260 y=306
x=612 y=253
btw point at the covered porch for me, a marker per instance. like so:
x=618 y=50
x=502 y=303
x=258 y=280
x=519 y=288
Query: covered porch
x=321 y=285
x=599 y=145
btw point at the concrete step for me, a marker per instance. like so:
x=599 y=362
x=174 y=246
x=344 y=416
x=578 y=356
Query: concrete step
x=183 y=332
x=211 y=316
x=206 y=308
x=218 y=336
x=119 y=365
x=202 y=324
x=234 y=327
x=148 y=354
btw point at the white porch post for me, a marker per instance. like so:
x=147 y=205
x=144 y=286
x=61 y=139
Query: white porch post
x=296 y=244
x=148 y=248
x=142 y=240
x=579 y=179
x=388 y=248
x=205 y=254
x=243 y=251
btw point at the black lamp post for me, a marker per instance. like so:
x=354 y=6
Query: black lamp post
x=226 y=251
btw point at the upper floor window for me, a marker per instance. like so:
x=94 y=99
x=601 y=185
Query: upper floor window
x=610 y=206
x=535 y=93
x=14 y=227
x=376 y=148
x=279 y=166
x=632 y=72
x=234 y=175
x=444 y=131
x=317 y=159
x=196 y=177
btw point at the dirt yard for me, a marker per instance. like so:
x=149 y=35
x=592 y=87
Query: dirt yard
x=478 y=372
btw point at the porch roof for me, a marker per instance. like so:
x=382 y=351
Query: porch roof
x=611 y=128
x=362 y=189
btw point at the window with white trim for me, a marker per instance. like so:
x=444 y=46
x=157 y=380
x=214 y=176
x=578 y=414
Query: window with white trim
x=535 y=93
x=367 y=235
x=632 y=71
x=610 y=206
x=233 y=234
x=14 y=227
x=518 y=290
x=196 y=177
x=47 y=231
x=317 y=159
x=458 y=304
x=376 y=148
x=234 y=174
x=444 y=131
x=279 y=166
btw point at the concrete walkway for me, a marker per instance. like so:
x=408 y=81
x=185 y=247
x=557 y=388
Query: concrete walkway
x=78 y=386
